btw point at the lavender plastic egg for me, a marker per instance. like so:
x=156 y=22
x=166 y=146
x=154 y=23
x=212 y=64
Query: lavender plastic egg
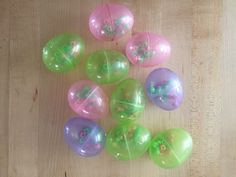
x=163 y=87
x=147 y=49
x=88 y=100
x=110 y=21
x=84 y=136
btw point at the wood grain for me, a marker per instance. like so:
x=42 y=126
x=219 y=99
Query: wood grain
x=24 y=61
x=206 y=98
x=4 y=86
x=228 y=87
x=33 y=104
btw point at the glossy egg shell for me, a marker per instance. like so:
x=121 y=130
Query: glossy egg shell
x=88 y=100
x=127 y=100
x=147 y=49
x=164 y=88
x=84 y=136
x=171 y=148
x=128 y=141
x=110 y=21
x=63 y=53
x=107 y=66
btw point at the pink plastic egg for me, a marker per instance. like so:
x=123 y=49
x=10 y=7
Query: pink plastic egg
x=88 y=100
x=110 y=21
x=147 y=49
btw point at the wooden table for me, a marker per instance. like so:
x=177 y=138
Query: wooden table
x=33 y=104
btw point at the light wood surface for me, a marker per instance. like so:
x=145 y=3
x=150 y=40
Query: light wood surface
x=33 y=104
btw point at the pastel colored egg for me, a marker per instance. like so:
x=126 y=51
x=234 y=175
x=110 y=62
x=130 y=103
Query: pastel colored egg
x=164 y=88
x=171 y=148
x=128 y=100
x=110 y=21
x=128 y=141
x=107 y=66
x=88 y=100
x=84 y=136
x=147 y=49
x=63 y=53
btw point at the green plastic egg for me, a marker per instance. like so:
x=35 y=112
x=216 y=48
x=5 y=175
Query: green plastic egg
x=107 y=66
x=63 y=52
x=128 y=141
x=171 y=148
x=127 y=101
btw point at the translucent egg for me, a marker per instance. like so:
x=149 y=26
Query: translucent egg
x=147 y=49
x=128 y=141
x=110 y=21
x=88 y=100
x=63 y=53
x=171 y=148
x=164 y=88
x=84 y=136
x=107 y=66
x=127 y=101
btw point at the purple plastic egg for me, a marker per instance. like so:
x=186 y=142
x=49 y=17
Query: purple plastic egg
x=147 y=49
x=163 y=87
x=110 y=21
x=88 y=100
x=84 y=136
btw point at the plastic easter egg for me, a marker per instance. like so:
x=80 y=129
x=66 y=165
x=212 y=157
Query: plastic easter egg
x=110 y=21
x=128 y=141
x=171 y=148
x=63 y=52
x=163 y=87
x=127 y=101
x=88 y=100
x=147 y=49
x=107 y=66
x=84 y=136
